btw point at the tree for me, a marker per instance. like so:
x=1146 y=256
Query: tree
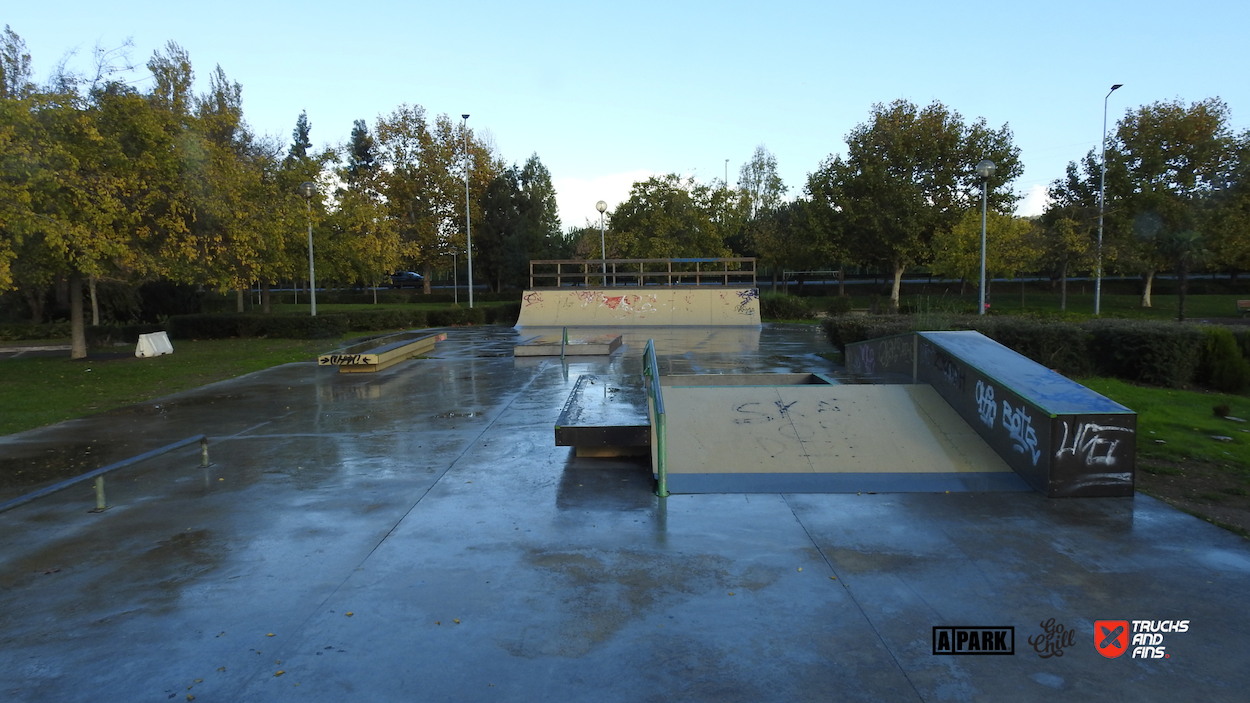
x=1011 y=247
x=361 y=154
x=1167 y=162
x=759 y=182
x=300 y=141
x=15 y=70
x=1070 y=224
x=907 y=175
x=667 y=217
x=520 y=222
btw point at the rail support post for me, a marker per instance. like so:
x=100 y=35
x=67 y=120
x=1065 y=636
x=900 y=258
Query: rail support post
x=101 y=504
x=204 y=452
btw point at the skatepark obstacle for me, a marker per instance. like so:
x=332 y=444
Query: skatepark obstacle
x=370 y=356
x=1064 y=439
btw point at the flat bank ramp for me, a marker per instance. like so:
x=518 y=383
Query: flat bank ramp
x=830 y=439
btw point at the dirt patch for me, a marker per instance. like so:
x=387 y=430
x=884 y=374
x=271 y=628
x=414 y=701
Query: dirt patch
x=1217 y=493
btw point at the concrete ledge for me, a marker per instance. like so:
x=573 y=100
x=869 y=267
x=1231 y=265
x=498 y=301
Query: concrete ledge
x=380 y=357
x=601 y=345
x=961 y=482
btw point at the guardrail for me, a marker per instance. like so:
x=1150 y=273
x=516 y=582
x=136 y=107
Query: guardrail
x=671 y=273
x=651 y=373
x=100 y=503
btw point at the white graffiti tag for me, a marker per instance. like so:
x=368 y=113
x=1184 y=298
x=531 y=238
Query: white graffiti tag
x=1020 y=426
x=1086 y=442
x=985 y=403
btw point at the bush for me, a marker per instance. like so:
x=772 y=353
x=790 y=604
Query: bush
x=111 y=335
x=845 y=330
x=224 y=326
x=779 y=306
x=371 y=320
x=456 y=316
x=1223 y=366
x=506 y=314
x=22 y=331
x=1155 y=353
x=839 y=305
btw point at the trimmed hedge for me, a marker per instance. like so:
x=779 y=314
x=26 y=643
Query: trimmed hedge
x=110 y=335
x=779 y=306
x=327 y=325
x=1152 y=352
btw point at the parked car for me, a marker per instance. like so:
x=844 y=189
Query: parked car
x=407 y=279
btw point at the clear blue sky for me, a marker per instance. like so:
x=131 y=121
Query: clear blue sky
x=608 y=94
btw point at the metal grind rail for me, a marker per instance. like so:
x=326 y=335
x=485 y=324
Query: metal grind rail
x=98 y=474
x=651 y=373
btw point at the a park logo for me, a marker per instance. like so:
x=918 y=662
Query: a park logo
x=974 y=640
x=1111 y=637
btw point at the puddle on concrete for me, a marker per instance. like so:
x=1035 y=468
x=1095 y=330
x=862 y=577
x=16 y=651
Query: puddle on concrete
x=451 y=415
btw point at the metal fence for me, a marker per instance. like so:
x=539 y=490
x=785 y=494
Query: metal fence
x=664 y=273
x=651 y=376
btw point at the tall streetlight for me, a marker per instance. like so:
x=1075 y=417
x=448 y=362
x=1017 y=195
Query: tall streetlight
x=468 y=233
x=455 y=278
x=309 y=189
x=985 y=169
x=1102 y=184
x=602 y=207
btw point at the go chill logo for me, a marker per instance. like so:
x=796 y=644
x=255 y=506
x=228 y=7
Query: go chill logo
x=974 y=640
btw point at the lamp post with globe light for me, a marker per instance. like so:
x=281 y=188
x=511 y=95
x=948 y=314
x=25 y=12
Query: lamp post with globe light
x=309 y=189
x=1102 y=183
x=602 y=207
x=985 y=169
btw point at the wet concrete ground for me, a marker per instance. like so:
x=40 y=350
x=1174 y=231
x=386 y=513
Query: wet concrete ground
x=414 y=535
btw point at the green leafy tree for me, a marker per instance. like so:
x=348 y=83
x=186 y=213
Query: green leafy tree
x=1166 y=163
x=1012 y=247
x=908 y=174
x=667 y=217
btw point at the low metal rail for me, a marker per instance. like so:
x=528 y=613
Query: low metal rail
x=98 y=474
x=651 y=375
x=671 y=273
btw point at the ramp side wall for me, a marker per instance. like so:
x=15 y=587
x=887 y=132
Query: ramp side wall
x=1064 y=455
x=616 y=307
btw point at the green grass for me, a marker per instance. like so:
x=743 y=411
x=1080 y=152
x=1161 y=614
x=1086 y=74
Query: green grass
x=38 y=391
x=1184 y=421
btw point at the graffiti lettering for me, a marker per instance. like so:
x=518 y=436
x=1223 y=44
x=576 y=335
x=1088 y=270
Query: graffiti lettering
x=951 y=371
x=1088 y=443
x=1020 y=427
x=744 y=307
x=985 y=403
x=340 y=360
x=533 y=298
x=867 y=362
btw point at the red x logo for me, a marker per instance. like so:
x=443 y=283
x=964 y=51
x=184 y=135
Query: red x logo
x=1111 y=637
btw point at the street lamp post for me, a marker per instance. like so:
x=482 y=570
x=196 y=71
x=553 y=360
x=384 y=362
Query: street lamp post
x=1102 y=184
x=468 y=233
x=455 y=279
x=602 y=207
x=309 y=189
x=985 y=169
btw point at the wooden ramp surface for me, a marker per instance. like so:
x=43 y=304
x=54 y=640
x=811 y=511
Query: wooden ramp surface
x=817 y=438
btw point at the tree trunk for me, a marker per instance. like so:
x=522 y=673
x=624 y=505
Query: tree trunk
x=78 y=336
x=36 y=300
x=238 y=300
x=802 y=280
x=774 y=271
x=375 y=291
x=425 y=281
x=841 y=281
x=1148 y=280
x=1063 y=287
x=897 y=287
x=264 y=297
x=95 y=304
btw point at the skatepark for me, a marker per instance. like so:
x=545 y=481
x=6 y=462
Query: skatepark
x=417 y=533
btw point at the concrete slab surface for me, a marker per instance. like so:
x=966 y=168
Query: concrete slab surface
x=413 y=535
